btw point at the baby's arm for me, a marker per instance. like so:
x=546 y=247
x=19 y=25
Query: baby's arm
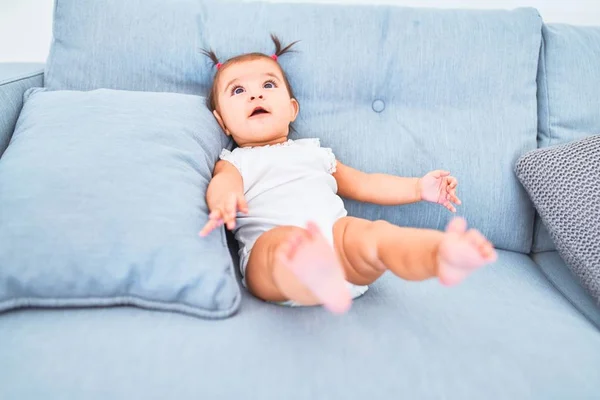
x=380 y=189
x=224 y=197
x=388 y=190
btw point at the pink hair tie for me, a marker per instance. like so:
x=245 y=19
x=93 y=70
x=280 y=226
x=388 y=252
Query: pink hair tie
x=219 y=65
x=274 y=57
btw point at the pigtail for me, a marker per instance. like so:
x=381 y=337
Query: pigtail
x=278 y=49
x=213 y=57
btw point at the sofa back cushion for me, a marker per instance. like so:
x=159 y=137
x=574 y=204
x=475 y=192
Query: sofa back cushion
x=390 y=89
x=405 y=91
x=148 y=45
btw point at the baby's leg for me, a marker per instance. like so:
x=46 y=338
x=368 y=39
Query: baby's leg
x=291 y=263
x=367 y=249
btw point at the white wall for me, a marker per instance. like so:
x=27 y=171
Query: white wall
x=25 y=29
x=26 y=25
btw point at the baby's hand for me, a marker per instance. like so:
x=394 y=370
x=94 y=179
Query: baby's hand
x=439 y=187
x=225 y=213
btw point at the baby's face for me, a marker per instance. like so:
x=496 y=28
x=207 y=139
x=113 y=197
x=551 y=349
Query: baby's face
x=253 y=103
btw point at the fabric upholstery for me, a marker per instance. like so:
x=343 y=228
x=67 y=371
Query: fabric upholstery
x=568 y=101
x=505 y=333
x=101 y=201
x=406 y=91
x=15 y=79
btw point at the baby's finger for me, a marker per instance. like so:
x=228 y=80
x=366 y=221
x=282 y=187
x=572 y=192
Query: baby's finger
x=452 y=182
x=438 y=173
x=218 y=213
x=230 y=211
x=452 y=196
x=222 y=216
x=449 y=206
x=215 y=214
x=229 y=221
x=231 y=205
x=242 y=204
x=209 y=227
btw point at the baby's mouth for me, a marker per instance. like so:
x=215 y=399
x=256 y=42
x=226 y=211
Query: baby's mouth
x=258 y=111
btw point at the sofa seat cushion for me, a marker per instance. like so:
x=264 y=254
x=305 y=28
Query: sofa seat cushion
x=505 y=333
x=557 y=272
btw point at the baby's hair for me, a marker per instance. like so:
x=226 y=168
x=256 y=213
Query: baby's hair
x=279 y=50
x=210 y=54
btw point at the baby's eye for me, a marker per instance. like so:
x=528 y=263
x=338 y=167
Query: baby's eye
x=269 y=85
x=237 y=90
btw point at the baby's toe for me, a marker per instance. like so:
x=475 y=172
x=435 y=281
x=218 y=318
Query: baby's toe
x=486 y=249
x=456 y=225
x=282 y=254
x=313 y=230
x=293 y=243
x=490 y=253
x=475 y=238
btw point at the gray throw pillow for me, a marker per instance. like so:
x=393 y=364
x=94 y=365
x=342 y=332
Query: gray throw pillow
x=564 y=184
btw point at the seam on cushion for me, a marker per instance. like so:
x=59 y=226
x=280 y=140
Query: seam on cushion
x=107 y=299
x=537 y=229
x=50 y=59
x=23 y=77
x=544 y=67
x=126 y=300
x=542 y=252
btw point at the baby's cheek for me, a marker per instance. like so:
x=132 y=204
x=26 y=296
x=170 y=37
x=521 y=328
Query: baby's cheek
x=235 y=117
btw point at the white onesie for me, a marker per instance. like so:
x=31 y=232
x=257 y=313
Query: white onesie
x=286 y=184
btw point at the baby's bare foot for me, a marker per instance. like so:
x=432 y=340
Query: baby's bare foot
x=461 y=252
x=314 y=262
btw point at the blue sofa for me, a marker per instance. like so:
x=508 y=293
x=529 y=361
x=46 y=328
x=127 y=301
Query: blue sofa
x=392 y=89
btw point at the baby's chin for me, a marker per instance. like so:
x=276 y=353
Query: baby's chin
x=259 y=137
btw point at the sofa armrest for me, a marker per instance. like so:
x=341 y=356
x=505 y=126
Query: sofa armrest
x=15 y=79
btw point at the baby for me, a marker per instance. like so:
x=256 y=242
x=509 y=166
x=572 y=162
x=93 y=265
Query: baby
x=281 y=198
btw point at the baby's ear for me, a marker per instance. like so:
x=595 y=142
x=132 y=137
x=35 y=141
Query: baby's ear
x=294 y=108
x=220 y=121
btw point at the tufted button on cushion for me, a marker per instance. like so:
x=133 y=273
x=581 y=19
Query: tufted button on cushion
x=378 y=106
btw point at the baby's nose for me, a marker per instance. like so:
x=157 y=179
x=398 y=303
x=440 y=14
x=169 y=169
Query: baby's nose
x=255 y=97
